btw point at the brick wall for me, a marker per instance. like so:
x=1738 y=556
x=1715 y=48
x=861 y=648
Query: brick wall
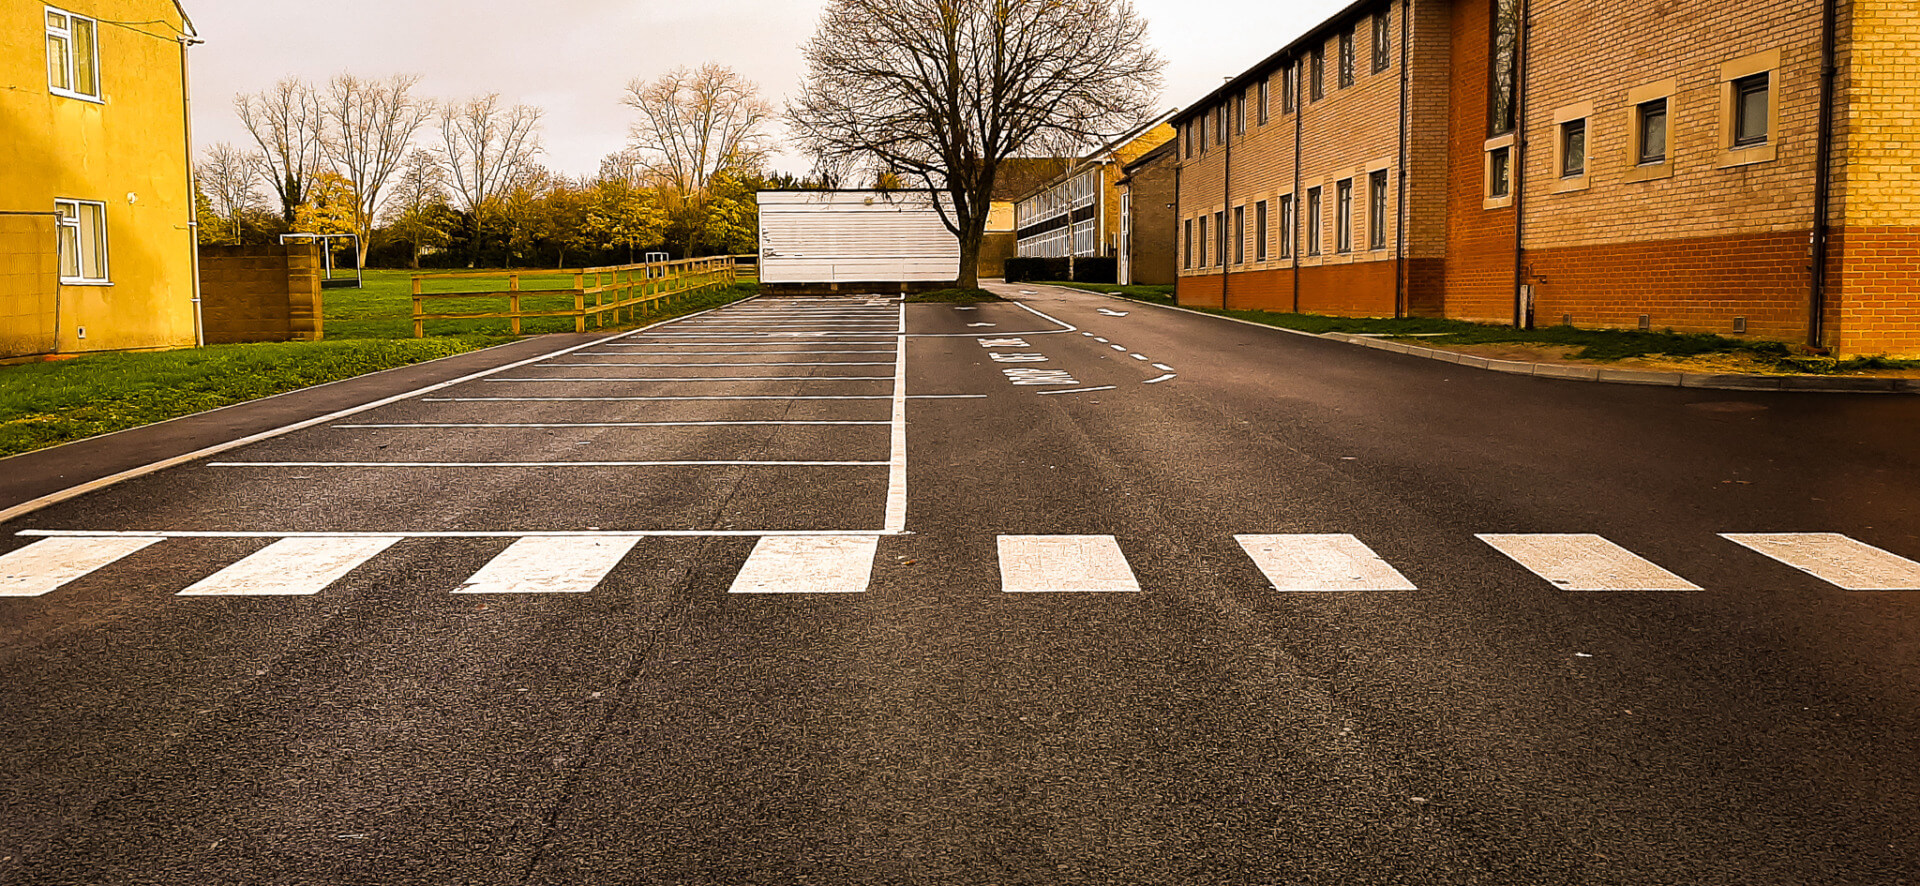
x=1479 y=252
x=1693 y=285
x=29 y=285
x=1874 y=298
x=260 y=293
x=1153 y=260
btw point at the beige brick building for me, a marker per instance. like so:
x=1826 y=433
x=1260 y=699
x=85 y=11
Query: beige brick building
x=1607 y=164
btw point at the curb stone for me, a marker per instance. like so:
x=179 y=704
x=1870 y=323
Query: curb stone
x=1717 y=381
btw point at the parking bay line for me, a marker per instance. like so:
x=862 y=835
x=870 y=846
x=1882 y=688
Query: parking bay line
x=544 y=464
x=44 y=566
x=1584 y=562
x=602 y=424
x=717 y=379
x=714 y=397
x=161 y=535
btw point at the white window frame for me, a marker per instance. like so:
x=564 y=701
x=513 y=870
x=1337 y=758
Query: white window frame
x=73 y=223
x=66 y=62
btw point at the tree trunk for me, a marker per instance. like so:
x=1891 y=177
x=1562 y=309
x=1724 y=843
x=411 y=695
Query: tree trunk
x=416 y=254
x=972 y=231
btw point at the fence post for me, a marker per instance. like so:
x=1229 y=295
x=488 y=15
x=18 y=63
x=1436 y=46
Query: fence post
x=513 y=300
x=419 y=326
x=579 y=310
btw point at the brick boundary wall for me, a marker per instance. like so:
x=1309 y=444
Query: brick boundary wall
x=1872 y=276
x=260 y=293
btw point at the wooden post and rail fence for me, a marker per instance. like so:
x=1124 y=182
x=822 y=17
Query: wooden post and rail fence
x=636 y=289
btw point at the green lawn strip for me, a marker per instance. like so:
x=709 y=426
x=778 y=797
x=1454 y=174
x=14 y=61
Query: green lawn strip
x=383 y=308
x=1593 y=344
x=953 y=296
x=1160 y=295
x=43 y=404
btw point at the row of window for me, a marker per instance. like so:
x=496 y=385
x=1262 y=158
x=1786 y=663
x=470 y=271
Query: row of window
x=1075 y=193
x=1205 y=252
x=1214 y=125
x=73 y=55
x=1747 y=121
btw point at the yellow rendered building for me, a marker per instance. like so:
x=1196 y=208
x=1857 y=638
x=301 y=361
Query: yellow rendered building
x=97 y=247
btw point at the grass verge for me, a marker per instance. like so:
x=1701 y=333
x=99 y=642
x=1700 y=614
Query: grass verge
x=45 y=404
x=953 y=297
x=1589 y=344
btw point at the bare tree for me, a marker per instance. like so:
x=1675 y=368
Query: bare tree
x=695 y=125
x=487 y=149
x=417 y=206
x=944 y=90
x=230 y=179
x=288 y=124
x=370 y=125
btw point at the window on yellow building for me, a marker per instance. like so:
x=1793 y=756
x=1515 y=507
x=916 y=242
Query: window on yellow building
x=1313 y=221
x=73 y=56
x=83 y=241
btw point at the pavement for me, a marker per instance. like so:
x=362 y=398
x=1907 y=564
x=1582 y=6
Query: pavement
x=1064 y=590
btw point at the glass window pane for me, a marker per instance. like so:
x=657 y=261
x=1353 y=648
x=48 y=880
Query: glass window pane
x=57 y=63
x=1573 y=148
x=1499 y=177
x=1750 y=113
x=93 y=242
x=1653 y=131
x=86 y=80
x=56 y=20
x=69 y=252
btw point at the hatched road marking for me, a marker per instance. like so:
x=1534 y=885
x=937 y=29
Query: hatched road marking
x=45 y=565
x=1321 y=563
x=549 y=566
x=291 y=567
x=1579 y=562
x=1836 y=559
x=1064 y=564
x=808 y=564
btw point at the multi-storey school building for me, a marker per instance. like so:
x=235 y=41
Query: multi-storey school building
x=1077 y=213
x=1715 y=166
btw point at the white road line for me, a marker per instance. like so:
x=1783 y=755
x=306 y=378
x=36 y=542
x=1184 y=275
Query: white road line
x=1584 y=562
x=1155 y=381
x=592 y=533
x=1102 y=340
x=543 y=464
x=716 y=378
x=1163 y=367
x=1077 y=390
x=596 y=365
x=1141 y=357
x=549 y=566
x=602 y=424
x=716 y=397
x=28 y=507
x=1117 y=347
x=808 y=564
x=1063 y=564
x=763 y=334
x=291 y=567
x=42 y=567
x=896 y=517
x=719 y=354
x=1321 y=563
x=1847 y=563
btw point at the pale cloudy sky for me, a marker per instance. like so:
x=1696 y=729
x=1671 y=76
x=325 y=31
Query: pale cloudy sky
x=573 y=58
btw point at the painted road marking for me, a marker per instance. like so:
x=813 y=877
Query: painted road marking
x=1155 y=381
x=896 y=515
x=716 y=397
x=1163 y=367
x=291 y=567
x=1321 y=563
x=1583 y=562
x=1004 y=343
x=1040 y=377
x=606 y=424
x=1836 y=559
x=1118 y=347
x=1078 y=390
x=1111 y=313
x=1102 y=340
x=1017 y=358
x=549 y=566
x=708 y=365
x=1140 y=357
x=1063 y=564
x=808 y=564
x=44 y=566
x=718 y=379
x=542 y=464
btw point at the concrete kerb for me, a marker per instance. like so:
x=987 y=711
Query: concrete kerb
x=1716 y=381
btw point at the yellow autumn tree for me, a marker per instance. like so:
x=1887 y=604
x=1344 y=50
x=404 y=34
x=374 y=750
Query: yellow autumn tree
x=329 y=207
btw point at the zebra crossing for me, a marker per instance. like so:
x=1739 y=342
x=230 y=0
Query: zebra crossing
x=842 y=563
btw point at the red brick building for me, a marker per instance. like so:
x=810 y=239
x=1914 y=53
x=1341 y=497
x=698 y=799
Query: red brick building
x=1603 y=163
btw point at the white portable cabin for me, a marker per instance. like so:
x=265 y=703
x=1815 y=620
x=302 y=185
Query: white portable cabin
x=882 y=238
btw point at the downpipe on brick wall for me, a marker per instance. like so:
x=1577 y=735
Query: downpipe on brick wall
x=1822 y=183
x=1522 y=296
x=1400 y=307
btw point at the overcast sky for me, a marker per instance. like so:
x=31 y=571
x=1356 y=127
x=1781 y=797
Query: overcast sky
x=573 y=58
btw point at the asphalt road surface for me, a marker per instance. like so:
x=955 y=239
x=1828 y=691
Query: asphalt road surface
x=1066 y=590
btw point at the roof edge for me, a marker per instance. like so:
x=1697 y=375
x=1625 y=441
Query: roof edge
x=1241 y=80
